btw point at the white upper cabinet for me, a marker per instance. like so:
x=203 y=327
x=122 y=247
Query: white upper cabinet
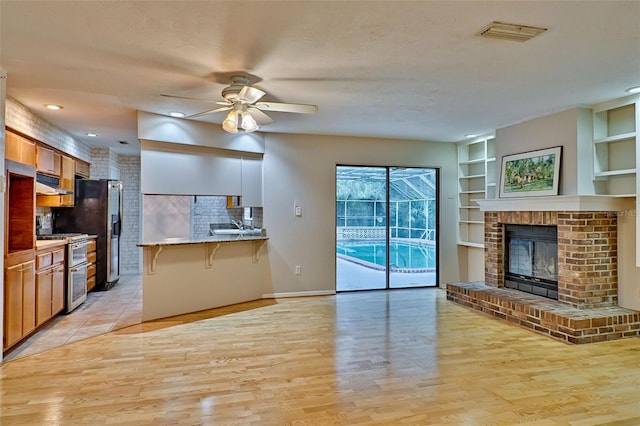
x=189 y=170
x=251 y=182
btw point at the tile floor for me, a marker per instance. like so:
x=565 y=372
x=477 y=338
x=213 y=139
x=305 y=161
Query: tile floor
x=103 y=311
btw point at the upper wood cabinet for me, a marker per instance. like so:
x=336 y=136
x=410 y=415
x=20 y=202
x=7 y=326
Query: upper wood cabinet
x=67 y=182
x=82 y=169
x=47 y=161
x=20 y=208
x=19 y=149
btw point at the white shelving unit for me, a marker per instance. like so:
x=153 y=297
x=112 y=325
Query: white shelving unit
x=616 y=145
x=476 y=181
x=615 y=142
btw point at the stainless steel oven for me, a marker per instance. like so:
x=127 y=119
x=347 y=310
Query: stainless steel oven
x=78 y=252
x=77 y=270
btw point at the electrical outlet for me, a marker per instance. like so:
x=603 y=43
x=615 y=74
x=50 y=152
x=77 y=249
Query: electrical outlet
x=298 y=211
x=298 y=270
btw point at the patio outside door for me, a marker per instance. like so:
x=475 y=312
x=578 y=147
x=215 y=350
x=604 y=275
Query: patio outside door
x=386 y=227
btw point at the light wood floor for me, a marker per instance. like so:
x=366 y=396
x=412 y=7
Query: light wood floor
x=386 y=358
x=102 y=312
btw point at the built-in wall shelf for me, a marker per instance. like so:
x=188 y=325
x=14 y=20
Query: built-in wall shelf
x=615 y=138
x=615 y=173
x=616 y=151
x=468 y=244
x=615 y=141
x=476 y=181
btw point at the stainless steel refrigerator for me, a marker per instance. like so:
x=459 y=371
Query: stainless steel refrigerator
x=97 y=211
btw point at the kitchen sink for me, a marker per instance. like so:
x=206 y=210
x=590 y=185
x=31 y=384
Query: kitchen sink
x=237 y=231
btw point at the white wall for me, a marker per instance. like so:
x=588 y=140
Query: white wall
x=300 y=170
x=559 y=129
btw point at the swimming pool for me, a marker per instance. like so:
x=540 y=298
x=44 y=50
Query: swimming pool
x=403 y=256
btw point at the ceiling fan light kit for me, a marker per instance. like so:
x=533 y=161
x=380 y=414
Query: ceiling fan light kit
x=248 y=122
x=241 y=100
x=230 y=124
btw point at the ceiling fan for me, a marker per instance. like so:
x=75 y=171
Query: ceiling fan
x=245 y=108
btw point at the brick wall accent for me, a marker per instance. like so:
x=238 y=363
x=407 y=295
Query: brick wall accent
x=20 y=118
x=493 y=250
x=587 y=253
x=587 y=259
x=131 y=255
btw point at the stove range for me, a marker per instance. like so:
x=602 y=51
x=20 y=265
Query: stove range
x=71 y=236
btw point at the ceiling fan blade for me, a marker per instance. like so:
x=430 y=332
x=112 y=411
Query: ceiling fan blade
x=211 y=111
x=249 y=95
x=189 y=99
x=260 y=117
x=280 y=107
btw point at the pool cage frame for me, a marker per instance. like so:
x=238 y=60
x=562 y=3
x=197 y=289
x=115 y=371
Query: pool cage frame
x=371 y=223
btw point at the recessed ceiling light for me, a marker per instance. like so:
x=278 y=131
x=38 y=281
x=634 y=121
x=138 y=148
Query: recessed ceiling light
x=92 y=135
x=177 y=114
x=53 y=107
x=124 y=142
x=634 y=90
x=470 y=135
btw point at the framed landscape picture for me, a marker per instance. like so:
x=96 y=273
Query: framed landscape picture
x=531 y=174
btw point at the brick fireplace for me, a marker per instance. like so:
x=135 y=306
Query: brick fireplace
x=587 y=267
x=587 y=253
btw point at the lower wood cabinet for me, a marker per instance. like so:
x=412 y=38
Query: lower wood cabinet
x=49 y=293
x=91 y=269
x=49 y=283
x=19 y=299
x=34 y=291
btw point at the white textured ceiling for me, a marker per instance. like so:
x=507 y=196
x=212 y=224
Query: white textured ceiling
x=393 y=69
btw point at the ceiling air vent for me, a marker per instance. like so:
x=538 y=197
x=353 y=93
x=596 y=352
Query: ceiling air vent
x=510 y=31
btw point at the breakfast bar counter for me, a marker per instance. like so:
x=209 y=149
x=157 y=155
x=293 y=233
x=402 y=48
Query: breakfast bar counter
x=188 y=275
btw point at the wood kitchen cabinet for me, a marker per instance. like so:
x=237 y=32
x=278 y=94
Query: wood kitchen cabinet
x=82 y=169
x=47 y=161
x=91 y=268
x=19 y=149
x=49 y=282
x=67 y=182
x=19 y=298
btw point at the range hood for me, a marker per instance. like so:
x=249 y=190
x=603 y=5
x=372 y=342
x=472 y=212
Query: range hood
x=47 y=185
x=42 y=189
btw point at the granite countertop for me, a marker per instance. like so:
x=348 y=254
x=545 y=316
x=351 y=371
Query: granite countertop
x=205 y=240
x=45 y=244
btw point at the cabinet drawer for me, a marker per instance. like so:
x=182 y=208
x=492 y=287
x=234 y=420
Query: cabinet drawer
x=91 y=246
x=91 y=283
x=44 y=260
x=91 y=270
x=57 y=256
x=91 y=257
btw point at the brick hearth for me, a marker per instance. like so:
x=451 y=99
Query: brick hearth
x=546 y=316
x=586 y=310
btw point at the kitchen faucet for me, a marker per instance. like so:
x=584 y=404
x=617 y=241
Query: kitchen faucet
x=238 y=224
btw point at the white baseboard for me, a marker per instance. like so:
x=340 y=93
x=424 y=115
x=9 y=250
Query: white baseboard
x=299 y=294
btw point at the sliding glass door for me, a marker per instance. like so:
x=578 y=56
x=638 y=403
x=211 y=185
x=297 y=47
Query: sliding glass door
x=386 y=227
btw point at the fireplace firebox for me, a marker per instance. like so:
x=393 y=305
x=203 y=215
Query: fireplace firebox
x=531 y=259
